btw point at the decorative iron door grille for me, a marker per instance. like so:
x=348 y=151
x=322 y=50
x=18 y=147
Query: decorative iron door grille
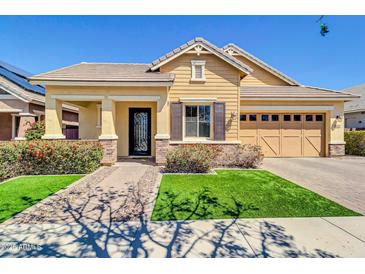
x=140 y=131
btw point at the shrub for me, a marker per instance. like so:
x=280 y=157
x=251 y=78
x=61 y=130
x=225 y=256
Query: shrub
x=242 y=156
x=355 y=143
x=191 y=158
x=48 y=157
x=36 y=130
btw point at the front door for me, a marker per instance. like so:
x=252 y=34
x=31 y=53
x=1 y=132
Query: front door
x=140 y=131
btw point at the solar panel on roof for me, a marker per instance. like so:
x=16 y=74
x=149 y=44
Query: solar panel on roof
x=20 y=81
x=15 y=70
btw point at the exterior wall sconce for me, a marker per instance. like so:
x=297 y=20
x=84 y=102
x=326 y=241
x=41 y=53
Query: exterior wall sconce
x=233 y=115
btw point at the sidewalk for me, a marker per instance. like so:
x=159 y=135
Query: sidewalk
x=279 y=237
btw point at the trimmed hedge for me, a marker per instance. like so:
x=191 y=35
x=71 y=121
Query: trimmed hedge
x=196 y=158
x=240 y=156
x=48 y=157
x=200 y=158
x=355 y=143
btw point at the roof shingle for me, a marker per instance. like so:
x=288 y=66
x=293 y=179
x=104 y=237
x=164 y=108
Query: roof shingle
x=357 y=104
x=112 y=72
x=278 y=92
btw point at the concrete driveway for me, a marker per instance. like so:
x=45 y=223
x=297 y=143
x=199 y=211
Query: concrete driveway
x=339 y=179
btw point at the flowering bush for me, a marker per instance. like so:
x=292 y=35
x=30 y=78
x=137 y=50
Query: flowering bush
x=191 y=158
x=36 y=131
x=242 y=156
x=48 y=157
x=355 y=143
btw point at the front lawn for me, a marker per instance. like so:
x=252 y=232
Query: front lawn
x=239 y=194
x=23 y=192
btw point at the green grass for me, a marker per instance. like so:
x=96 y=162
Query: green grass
x=239 y=194
x=23 y=192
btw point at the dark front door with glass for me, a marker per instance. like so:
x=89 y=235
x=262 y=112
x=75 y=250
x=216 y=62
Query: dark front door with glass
x=140 y=131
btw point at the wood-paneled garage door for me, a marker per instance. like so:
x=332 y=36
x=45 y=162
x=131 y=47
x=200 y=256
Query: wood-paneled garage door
x=284 y=135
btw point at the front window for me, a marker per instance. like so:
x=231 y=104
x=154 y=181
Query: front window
x=197 y=121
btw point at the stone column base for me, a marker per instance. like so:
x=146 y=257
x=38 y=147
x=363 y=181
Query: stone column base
x=110 y=152
x=162 y=146
x=25 y=122
x=336 y=150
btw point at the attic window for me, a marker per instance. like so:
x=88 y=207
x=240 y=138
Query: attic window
x=198 y=70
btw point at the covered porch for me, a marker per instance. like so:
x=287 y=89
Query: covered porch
x=128 y=122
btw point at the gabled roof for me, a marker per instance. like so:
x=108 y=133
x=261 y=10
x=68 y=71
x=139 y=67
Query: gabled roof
x=105 y=72
x=206 y=45
x=260 y=63
x=19 y=77
x=292 y=92
x=357 y=104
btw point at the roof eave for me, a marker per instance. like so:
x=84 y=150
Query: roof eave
x=79 y=82
x=354 y=110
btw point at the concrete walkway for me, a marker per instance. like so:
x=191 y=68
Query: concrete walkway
x=119 y=193
x=280 y=237
x=340 y=179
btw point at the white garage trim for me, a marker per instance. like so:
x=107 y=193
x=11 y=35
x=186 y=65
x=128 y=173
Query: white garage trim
x=287 y=108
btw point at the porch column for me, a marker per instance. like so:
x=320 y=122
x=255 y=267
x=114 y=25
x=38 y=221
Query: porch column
x=25 y=121
x=53 y=119
x=108 y=137
x=162 y=137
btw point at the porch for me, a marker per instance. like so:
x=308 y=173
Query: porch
x=126 y=125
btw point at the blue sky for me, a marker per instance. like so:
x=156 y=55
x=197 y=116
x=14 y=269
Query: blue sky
x=292 y=44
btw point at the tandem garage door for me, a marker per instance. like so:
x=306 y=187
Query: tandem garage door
x=284 y=135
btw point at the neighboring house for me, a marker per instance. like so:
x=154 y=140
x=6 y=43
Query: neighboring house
x=22 y=103
x=197 y=93
x=355 y=110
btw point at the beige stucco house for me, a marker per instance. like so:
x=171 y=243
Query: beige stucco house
x=197 y=93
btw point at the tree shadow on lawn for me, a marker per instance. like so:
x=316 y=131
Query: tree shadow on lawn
x=206 y=205
x=25 y=203
x=122 y=229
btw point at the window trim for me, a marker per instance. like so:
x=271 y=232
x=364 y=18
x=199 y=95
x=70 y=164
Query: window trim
x=198 y=63
x=191 y=138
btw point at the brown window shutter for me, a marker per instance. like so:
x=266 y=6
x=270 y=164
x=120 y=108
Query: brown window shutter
x=176 y=121
x=219 y=121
